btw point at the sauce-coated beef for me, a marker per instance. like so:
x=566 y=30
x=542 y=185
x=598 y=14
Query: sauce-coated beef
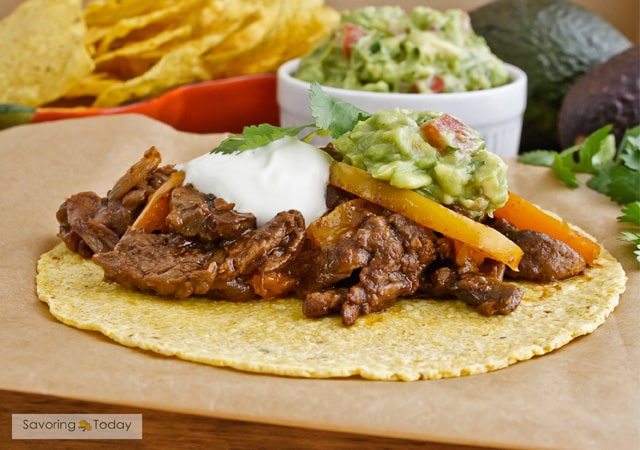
x=165 y=264
x=172 y=265
x=194 y=214
x=90 y=224
x=485 y=293
x=390 y=251
x=545 y=258
x=359 y=265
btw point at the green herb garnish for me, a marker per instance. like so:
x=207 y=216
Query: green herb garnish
x=333 y=117
x=615 y=172
x=255 y=136
x=332 y=114
x=632 y=215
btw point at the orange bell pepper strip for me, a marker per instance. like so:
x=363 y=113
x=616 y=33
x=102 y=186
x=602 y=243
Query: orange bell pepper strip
x=427 y=213
x=524 y=215
x=154 y=214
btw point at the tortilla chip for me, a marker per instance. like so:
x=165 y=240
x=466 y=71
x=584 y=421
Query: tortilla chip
x=42 y=52
x=179 y=65
x=415 y=339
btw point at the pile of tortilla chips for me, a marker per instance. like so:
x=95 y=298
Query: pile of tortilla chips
x=42 y=53
x=115 y=52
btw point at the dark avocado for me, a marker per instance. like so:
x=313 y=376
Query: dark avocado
x=554 y=42
x=609 y=93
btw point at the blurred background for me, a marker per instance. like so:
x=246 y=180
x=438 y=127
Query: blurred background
x=623 y=14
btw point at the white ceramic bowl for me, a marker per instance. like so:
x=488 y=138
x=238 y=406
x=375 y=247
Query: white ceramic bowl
x=496 y=113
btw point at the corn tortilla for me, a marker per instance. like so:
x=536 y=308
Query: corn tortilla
x=415 y=339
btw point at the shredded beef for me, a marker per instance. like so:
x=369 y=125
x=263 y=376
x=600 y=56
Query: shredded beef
x=391 y=252
x=545 y=258
x=177 y=266
x=268 y=248
x=90 y=224
x=486 y=294
x=194 y=214
x=165 y=264
x=85 y=230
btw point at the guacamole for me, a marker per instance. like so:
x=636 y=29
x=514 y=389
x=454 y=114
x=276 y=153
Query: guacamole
x=384 y=49
x=433 y=153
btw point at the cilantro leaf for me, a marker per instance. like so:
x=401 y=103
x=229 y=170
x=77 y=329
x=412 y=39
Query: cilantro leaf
x=564 y=172
x=630 y=149
x=255 y=136
x=634 y=237
x=333 y=114
x=538 y=157
x=619 y=183
x=597 y=150
x=631 y=213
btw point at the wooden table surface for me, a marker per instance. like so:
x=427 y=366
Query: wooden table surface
x=166 y=430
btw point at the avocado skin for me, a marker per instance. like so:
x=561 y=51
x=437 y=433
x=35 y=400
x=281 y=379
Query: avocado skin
x=554 y=42
x=608 y=93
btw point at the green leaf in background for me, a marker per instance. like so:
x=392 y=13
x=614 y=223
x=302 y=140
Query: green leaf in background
x=597 y=151
x=564 y=172
x=632 y=215
x=538 y=158
x=630 y=149
x=619 y=183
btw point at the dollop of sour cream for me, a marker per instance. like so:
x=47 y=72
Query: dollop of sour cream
x=282 y=175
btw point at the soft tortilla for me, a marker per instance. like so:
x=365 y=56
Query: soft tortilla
x=415 y=339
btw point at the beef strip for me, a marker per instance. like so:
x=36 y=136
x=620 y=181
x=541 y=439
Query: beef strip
x=178 y=266
x=90 y=224
x=391 y=252
x=271 y=247
x=194 y=214
x=165 y=264
x=81 y=232
x=486 y=294
x=268 y=248
x=323 y=266
x=545 y=258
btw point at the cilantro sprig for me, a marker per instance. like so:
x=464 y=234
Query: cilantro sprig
x=332 y=116
x=255 y=136
x=632 y=215
x=615 y=171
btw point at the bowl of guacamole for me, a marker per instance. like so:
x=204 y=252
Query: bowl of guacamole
x=382 y=57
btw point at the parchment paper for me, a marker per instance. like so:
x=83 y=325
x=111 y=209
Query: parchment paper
x=584 y=395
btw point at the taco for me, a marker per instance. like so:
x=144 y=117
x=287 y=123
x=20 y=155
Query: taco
x=356 y=259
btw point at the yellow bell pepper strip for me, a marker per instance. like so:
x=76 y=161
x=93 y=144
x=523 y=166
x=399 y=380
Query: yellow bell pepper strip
x=153 y=216
x=524 y=215
x=426 y=212
x=344 y=218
